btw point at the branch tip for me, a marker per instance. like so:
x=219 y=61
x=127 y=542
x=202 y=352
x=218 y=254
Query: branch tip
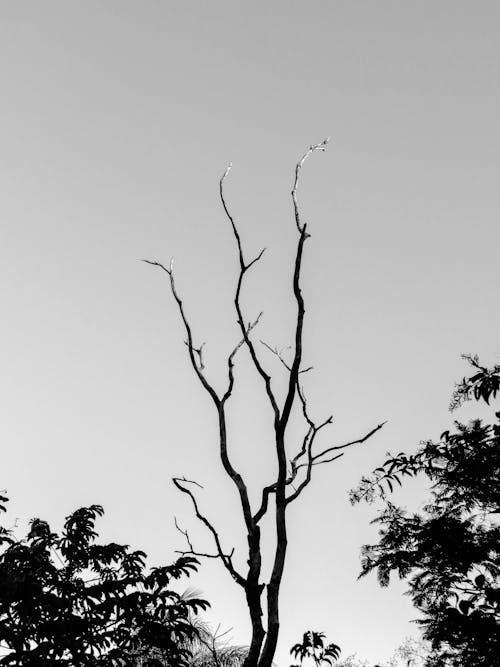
x=159 y=265
x=226 y=173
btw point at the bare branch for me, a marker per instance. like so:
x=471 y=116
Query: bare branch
x=333 y=458
x=230 y=359
x=313 y=460
x=305 y=441
x=306 y=448
x=297 y=357
x=318 y=147
x=199 y=352
x=255 y=259
x=278 y=353
x=280 y=429
x=230 y=217
x=193 y=351
x=160 y=265
x=225 y=558
x=307 y=478
x=186 y=535
x=198 y=367
x=349 y=444
x=316 y=459
x=266 y=491
x=191 y=549
x=307 y=445
x=243 y=269
x=293 y=369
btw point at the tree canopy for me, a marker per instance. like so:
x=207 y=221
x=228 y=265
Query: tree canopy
x=68 y=600
x=449 y=553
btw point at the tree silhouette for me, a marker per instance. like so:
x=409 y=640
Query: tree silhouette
x=313 y=648
x=450 y=552
x=68 y=600
x=295 y=461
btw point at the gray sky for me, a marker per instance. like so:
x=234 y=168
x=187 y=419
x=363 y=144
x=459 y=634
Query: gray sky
x=117 y=119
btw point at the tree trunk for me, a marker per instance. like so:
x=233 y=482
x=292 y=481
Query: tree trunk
x=273 y=588
x=253 y=592
x=253 y=596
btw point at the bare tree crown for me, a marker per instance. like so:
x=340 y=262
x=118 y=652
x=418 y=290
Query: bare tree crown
x=294 y=472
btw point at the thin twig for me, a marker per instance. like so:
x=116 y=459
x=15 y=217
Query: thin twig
x=359 y=441
x=195 y=354
x=225 y=558
x=307 y=447
x=244 y=267
x=198 y=368
x=318 y=147
x=230 y=359
x=277 y=353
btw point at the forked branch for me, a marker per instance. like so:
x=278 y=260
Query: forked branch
x=293 y=474
x=279 y=354
x=226 y=559
x=334 y=448
x=230 y=359
x=191 y=550
x=297 y=356
x=196 y=357
x=317 y=459
x=195 y=354
x=244 y=267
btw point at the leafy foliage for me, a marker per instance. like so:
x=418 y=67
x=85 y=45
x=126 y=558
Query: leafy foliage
x=450 y=552
x=4 y=533
x=485 y=383
x=67 y=600
x=313 y=647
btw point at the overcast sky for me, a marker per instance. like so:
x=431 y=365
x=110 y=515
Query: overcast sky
x=117 y=120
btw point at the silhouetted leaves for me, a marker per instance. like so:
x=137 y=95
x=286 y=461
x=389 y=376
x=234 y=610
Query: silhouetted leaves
x=484 y=384
x=313 y=646
x=66 y=600
x=5 y=534
x=450 y=552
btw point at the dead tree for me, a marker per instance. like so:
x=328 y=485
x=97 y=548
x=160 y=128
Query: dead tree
x=294 y=471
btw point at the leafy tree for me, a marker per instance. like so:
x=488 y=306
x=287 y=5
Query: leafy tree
x=295 y=460
x=313 y=648
x=68 y=600
x=450 y=552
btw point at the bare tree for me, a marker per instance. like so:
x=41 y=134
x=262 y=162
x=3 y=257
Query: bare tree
x=294 y=470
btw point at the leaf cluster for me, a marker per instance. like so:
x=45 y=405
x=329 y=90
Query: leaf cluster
x=449 y=553
x=313 y=646
x=484 y=384
x=68 y=600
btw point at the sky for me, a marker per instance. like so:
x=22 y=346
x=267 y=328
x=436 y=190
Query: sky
x=117 y=120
